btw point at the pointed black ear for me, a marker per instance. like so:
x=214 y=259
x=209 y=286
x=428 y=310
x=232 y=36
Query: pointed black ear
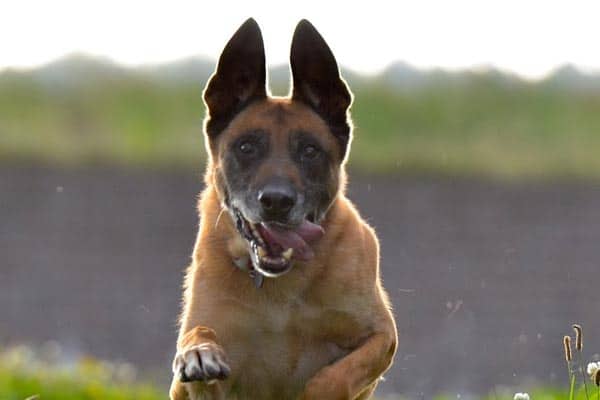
x=317 y=81
x=239 y=79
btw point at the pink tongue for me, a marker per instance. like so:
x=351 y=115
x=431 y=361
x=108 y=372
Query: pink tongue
x=296 y=239
x=309 y=231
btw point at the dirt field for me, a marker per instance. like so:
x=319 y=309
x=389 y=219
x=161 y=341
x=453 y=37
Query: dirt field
x=485 y=277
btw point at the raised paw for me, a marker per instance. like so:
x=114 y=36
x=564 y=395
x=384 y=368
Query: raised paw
x=202 y=362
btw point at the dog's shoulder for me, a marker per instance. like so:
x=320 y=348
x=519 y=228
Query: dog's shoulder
x=350 y=253
x=351 y=231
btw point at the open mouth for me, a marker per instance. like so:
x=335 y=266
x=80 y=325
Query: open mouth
x=274 y=247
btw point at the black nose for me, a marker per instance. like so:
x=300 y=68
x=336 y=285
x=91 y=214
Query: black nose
x=276 y=200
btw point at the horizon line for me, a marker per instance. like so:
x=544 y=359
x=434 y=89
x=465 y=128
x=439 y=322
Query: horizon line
x=474 y=68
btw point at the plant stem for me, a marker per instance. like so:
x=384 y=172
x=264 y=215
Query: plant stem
x=580 y=369
x=572 y=388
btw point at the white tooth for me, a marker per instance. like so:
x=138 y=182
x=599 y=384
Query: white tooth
x=261 y=252
x=258 y=238
x=288 y=254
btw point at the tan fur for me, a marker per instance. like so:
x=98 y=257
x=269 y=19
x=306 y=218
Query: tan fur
x=324 y=330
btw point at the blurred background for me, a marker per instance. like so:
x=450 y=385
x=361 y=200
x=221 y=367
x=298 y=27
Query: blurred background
x=476 y=157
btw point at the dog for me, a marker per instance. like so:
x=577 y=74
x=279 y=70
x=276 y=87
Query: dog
x=283 y=299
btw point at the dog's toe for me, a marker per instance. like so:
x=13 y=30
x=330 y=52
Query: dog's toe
x=193 y=367
x=204 y=362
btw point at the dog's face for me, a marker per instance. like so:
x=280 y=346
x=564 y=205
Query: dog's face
x=277 y=162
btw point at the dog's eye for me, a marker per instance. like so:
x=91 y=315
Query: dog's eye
x=247 y=148
x=310 y=152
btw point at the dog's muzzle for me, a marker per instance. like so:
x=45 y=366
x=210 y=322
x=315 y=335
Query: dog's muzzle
x=274 y=247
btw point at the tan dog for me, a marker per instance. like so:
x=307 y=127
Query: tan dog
x=283 y=299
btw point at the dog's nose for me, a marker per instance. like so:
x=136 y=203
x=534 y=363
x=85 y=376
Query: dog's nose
x=277 y=200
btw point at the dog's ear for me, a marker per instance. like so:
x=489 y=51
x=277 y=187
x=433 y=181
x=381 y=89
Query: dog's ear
x=239 y=79
x=317 y=81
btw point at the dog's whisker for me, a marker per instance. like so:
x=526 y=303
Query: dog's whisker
x=219 y=216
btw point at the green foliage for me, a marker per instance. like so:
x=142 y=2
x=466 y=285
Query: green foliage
x=468 y=124
x=540 y=393
x=23 y=376
x=128 y=121
x=478 y=127
x=27 y=373
x=15 y=386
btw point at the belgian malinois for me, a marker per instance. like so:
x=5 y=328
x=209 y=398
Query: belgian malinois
x=283 y=298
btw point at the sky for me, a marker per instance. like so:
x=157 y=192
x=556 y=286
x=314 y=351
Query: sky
x=529 y=38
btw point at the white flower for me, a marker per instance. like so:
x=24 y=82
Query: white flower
x=592 y=368
x=521 y=396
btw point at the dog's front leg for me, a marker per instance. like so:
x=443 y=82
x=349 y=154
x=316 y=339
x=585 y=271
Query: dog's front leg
x=355 y=375
x=198 y=366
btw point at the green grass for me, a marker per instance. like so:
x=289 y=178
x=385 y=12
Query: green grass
x=23 y=375
x=129 y=121
x=535 y=394
x=476 y=125
x=27 y=373
x=16 y=386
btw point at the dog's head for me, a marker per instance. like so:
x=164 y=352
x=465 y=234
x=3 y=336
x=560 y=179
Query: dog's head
x=277 y=163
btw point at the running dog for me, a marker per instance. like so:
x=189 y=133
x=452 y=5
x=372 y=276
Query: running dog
x=283 y=299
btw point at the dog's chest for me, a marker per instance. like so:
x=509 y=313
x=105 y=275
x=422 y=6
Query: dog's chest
x=282 y=346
